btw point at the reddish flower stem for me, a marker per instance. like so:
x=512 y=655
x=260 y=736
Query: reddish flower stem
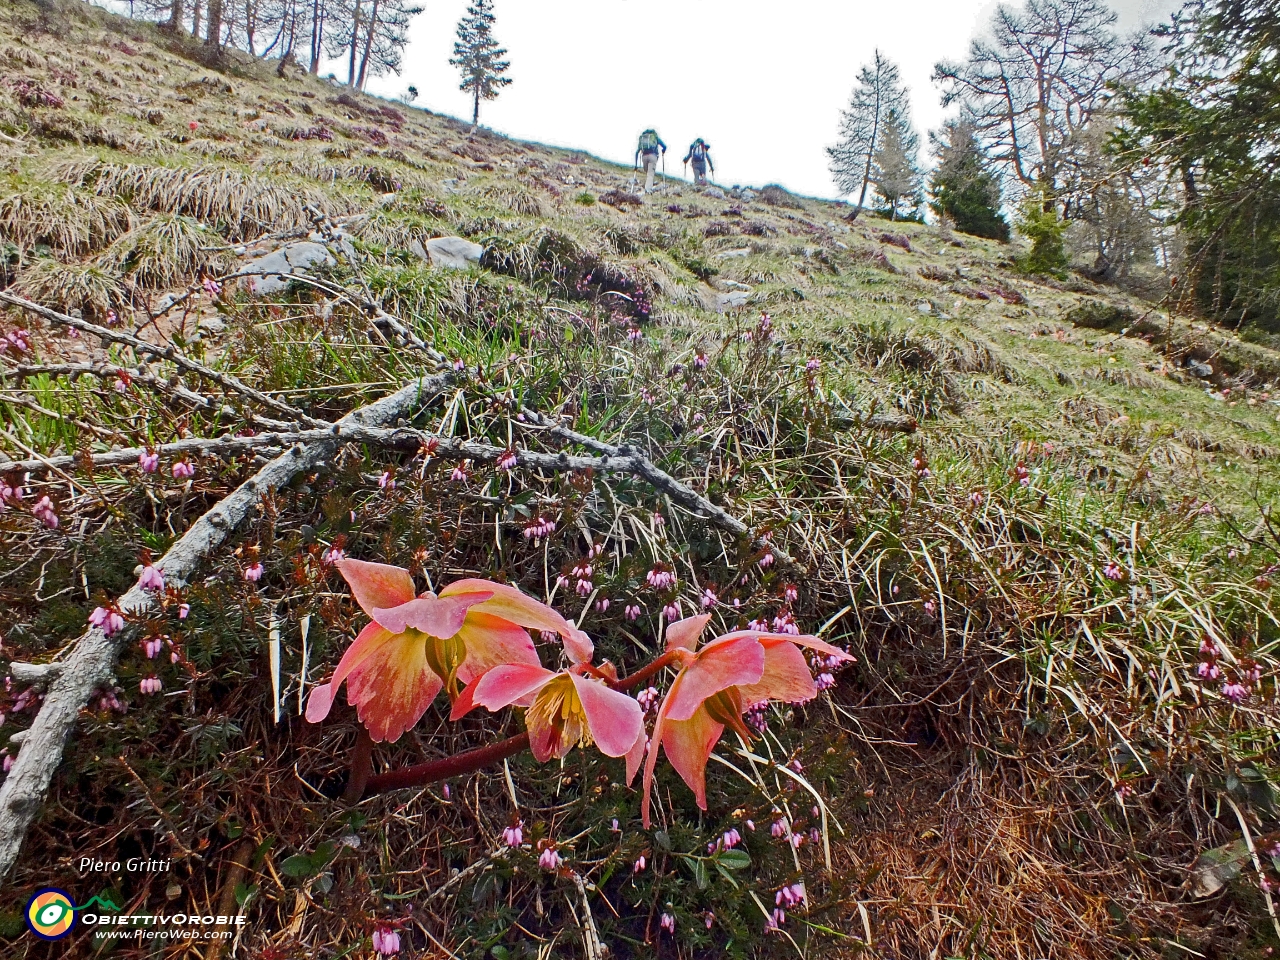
x=362 y=785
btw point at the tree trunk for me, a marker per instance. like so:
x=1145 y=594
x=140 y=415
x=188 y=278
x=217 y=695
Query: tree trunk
x=213 y=33
x=176 y=13
x=195 y=18
x=475 y=112
x=355 y=45
x=317 y=35
x=368 y=45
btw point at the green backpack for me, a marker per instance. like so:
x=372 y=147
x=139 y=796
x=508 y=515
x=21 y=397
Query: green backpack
x=649 y=141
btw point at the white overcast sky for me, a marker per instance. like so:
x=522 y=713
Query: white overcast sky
x=762 y=82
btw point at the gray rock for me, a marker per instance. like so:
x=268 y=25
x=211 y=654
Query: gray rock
x=715 y=193
x=270 y=274
x=740 y=252
x=454 y=253
x=1200 y=369
x=734 y=285
x=731 y=300
x=341 y=239
x=212 y=325
x=924 y=306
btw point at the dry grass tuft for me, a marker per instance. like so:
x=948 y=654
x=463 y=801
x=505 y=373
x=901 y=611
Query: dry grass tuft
x=242 y=205
x=90 y=287
x=165 y=250
x=514 y=197
x=68 y=221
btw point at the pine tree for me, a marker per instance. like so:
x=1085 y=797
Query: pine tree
x=879 y=89
x=896 y=171
x=963 y=186
x=478 y=57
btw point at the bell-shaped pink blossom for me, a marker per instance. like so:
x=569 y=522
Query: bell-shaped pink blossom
x=417 y=645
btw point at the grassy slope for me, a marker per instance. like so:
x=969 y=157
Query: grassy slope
x=1115 y=432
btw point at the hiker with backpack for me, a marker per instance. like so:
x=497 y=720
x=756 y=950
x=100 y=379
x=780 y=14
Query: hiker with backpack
x=700 y=154
x=647 y=150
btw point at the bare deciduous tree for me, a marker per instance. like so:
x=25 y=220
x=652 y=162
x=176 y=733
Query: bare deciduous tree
x=1037 y=80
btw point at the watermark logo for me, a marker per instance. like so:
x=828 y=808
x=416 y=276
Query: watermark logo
x=51 y=913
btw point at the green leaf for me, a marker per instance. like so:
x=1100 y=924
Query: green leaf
x=734 y=859
x=720 y=868
x=299 y=865
x=662 y=839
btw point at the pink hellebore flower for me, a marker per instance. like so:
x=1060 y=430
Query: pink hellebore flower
x=417 y=645
x=564 y=709
x=715 y=686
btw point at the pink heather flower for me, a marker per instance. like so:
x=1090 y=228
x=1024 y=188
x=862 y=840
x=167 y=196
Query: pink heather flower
x=766 y=561
x=709 y=598
x=602 y=605
x=459 y=474
x=8 y=760
x=632 y=611
x=700 y=361
x=151 y=579
x=894 y=591
x=44 y=512
x=112 y=320
x=796 y=765
x=183 y=470
x=824 y=681
x=1235 y=692
x=121 y=385
x=514 y=836
x=791 y=593
x=613 y=827
x=1113 y=571
x=635 y=335
x=760 y=625
x=253 y=572
x=976 y=498
x=779 y=828
x=671 y=611
x=930 y=607
x=386 y=481
x=333 y=555
x=183 y=610
x=386 y=942
x=813 y=365
x=790 y=895
x=668 y=923
x=660 y=578
x=446 y=791
x=152 y=647
x=508 y=460
x=647 y=698
x=459 y=364
x=107 y=620
x=212 y=287
x=708 y=918
x=150 y=685
x=639 y=865
x=1208 y=671
x=775 y=920
x=149 y=462
x=731 y=838
x=751 y=825
x=550 y=859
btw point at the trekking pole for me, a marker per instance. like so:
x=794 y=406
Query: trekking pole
x=664 y=171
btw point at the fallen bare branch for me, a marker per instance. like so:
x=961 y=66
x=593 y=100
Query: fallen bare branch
x=92 y=659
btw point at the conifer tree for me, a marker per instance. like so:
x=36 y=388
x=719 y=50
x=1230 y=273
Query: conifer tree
x=896 y=171
x=478 y=57
x=879 y=89
x=964 y=187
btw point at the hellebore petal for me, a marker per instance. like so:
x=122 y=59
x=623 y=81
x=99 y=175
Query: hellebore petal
x=392 y=687
x=506 y=684
x=376 y=585
x=786 y=676
x=688 y=744
x=723 y=663
x=322 y=697
x=490 y=641
x=635 y=756
x=510 y=604
x=613 y=718
x=435 y=616
x=685 y=633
